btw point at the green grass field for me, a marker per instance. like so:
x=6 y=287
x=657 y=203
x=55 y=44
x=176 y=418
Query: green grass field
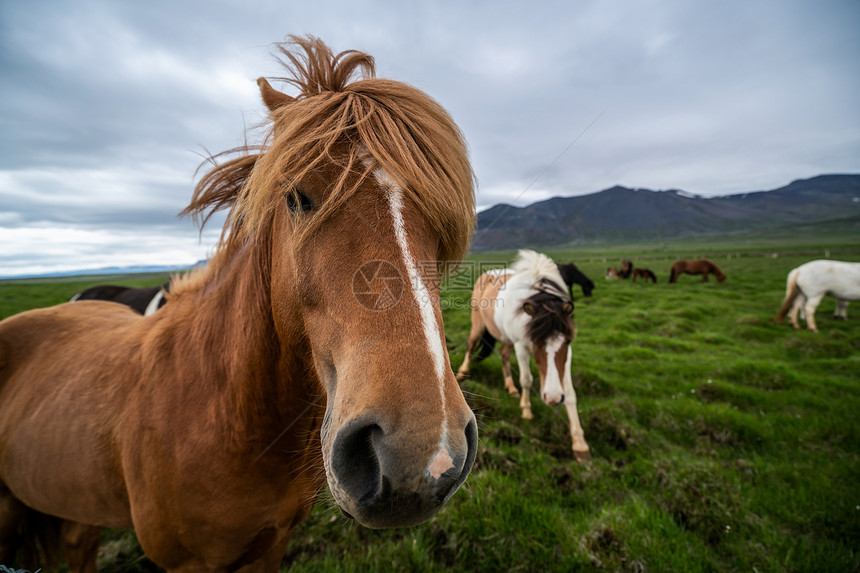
x=720 y=441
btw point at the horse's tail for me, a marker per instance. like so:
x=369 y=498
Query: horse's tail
x=672 y=275
x=791 y=292
x=485 y=346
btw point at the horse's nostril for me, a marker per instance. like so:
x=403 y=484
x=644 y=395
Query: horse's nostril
x=354 y=459
x=471 y=443
x=471 y=450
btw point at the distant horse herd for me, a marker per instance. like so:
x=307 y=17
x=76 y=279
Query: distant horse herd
x=702 y=267
x=209 y=416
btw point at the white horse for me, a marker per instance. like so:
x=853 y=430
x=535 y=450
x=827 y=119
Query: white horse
x=810 y=282
x=527 y=308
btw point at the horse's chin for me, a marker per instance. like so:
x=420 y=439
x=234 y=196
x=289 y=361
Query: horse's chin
x=402 y=511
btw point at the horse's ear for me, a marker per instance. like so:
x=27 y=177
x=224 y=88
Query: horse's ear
x=272 y=97
x=528 y=308
x=567 y=308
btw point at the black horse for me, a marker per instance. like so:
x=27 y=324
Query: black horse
x=572 y=275
x=144 y=300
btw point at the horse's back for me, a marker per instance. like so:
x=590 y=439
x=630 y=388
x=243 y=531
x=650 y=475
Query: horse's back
x=48 y=345
x=489 y=284
x=52 y=427
x=101 y=292
x=837 y=278
x=136 y=298
x=50 y=350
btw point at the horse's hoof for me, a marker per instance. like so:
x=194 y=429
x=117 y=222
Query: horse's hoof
x=514 y=392
x=461 y=376
x=582 y=456
x=527 y=415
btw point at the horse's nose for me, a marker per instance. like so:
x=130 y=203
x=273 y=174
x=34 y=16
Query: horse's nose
x=552 y=399
x=385 y=483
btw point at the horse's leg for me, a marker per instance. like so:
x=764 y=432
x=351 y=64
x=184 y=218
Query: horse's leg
x=796 y=307
x=580 y=448
x=705 y=277
x=80 y=545
x=523 y=358
x=474 y=336
x=841 y=311
x=505 y=352
x=270 y=561
x=809 y=308
x=12 y=512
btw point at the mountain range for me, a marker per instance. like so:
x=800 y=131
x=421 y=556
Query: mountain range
x=105 y=271
x=621 y=213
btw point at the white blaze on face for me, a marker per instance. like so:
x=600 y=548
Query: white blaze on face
x=423 y=300
x=552 y=392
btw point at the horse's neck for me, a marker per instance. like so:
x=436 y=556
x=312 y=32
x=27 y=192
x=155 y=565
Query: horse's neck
x=519 y=285
x=523 y=283
x=514 y=292
x=226 y=329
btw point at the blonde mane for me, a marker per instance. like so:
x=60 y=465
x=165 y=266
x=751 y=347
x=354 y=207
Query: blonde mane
x=356 y=126
x=539 y=265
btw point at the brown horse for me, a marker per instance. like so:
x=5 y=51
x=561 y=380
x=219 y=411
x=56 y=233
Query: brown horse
x=210 y=426
x=645 y=275
x=702 y=267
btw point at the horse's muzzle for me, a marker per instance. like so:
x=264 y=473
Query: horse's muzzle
x=377 y=478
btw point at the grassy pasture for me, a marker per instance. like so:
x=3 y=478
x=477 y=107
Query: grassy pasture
x=720 y=441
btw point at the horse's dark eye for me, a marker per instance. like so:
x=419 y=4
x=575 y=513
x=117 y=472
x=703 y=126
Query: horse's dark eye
x=297 y=200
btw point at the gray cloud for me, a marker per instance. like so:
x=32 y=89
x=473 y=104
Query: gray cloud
x=108 y=108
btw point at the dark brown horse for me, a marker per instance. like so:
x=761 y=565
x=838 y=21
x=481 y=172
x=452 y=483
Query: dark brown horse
x=645 y=275
x=702 y=267
x=571 y=275
x=145 y=300
x=210 y=426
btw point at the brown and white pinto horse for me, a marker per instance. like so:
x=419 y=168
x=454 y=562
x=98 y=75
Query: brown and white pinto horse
x=699 y=267
x=210 y=426
x=527 y=309
x=623 y=273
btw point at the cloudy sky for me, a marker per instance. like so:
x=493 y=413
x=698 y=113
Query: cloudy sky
x=107 y=108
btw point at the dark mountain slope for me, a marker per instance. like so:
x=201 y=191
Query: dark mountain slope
x=622 y=213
